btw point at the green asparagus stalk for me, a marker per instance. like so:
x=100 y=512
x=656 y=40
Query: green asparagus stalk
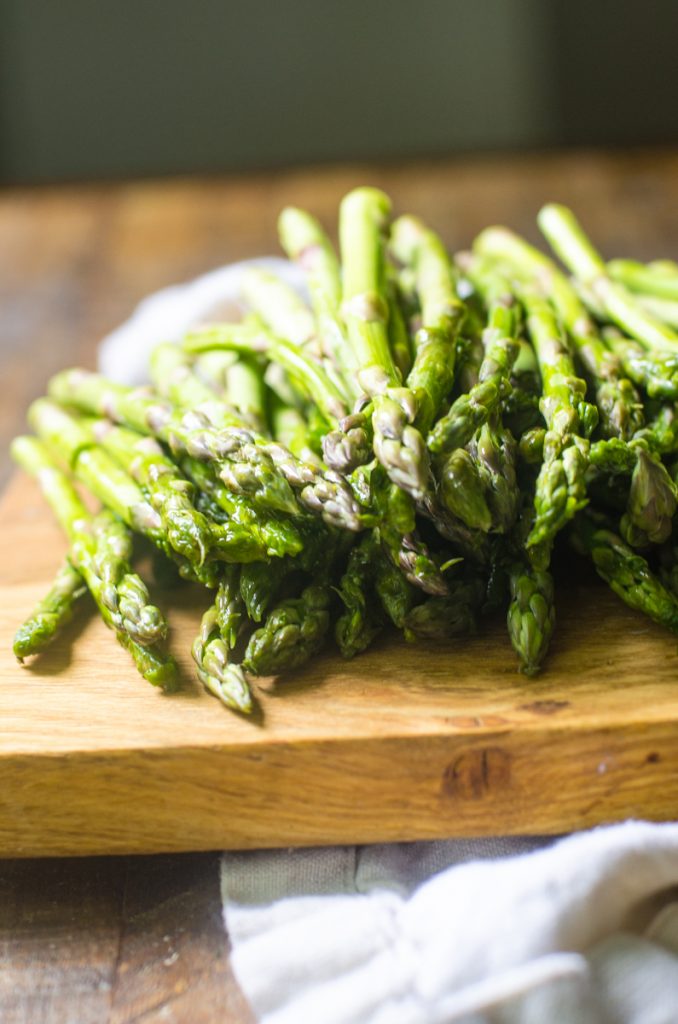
x=51 y=613
x=292 y=330
x=292 y=634
x=324 y=493
x=531 y=615
x=443 y=315
x=305 y=242
x=99 y=550
x=655 y=372
x=225 y=680
x=265 y=471
x=617 y=400
x=188 y=532
x=658 y=279
x=568 y=240
x=560 y=488
x=472 y=409
x=396 y=594
x=398 y=445
x=103 y=476
x=243 y=464
x=259 y=586
x=399 y=338
x=359 y=623
x=281 y=536
x=651 y=503
x=627 y=572
x=441 y=618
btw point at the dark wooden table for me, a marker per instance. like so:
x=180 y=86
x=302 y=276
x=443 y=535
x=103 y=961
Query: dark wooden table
x=141 y=939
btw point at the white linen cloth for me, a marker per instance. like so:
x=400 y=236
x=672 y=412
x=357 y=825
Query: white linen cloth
x=496 y=931
x=583 y=931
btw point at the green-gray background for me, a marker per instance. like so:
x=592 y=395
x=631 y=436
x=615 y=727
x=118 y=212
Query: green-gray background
x=97 y=88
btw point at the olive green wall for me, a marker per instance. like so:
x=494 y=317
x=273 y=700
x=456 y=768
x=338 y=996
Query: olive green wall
x=92 y=88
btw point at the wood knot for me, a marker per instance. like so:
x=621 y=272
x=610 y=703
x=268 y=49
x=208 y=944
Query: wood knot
x=476 y=773
x=545 y=707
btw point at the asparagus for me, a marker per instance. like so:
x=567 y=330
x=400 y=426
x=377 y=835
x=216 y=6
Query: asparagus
x=395 y=593
x=531 y=615
x=254 y=430
x=52 y=612
x=440 y=618
x=658 y=279
x=358 y=625
x=568 y=240
x=225 y=680
x=293 y=632
x=617 y=399
x=655 y=372
x=188 y=532
x=292 y=327
x=398 y=445
x=259 y=584
x=243 y=466
x=305 y=242
x=99 y=550
x=323 y=492
x=443 y=315
x=265 y=471
x=400 y=342
x=627 y=572
x=463 y=490
x=103 y=476
x=560 y=489
x=281 y=536
x=651 y=503
x=472 y=409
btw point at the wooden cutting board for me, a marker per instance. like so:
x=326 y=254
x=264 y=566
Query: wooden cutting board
x=401 y=743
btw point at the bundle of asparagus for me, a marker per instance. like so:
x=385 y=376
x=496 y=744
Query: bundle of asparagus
x=404 y=448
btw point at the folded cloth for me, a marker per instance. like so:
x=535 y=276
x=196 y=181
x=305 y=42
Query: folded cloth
x=580 y=931
x=497 y=931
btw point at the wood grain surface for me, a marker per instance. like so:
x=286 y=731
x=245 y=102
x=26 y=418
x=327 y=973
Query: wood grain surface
x=74 y=260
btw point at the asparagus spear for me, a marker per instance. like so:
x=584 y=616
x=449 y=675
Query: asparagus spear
x=293 y=632
x=651 y=504
x=659 y=278
x=291 y=328
x=243 y=465
x=305 y=242
x=443 y=315
x=471 y=410
x=259 y=584
x=222 y=678
x=99 y=550
x=65 y=435
x=399 y=338
x=358 y=625
x=627 y=572
x=349 y=443
x=398 y=445
x=188 y=532
x=568 y=240
x=440 y=618
x=52 y=612
x=617 y=400
x=264 y=470
x=281 y=536
x=323 y=492
x=655 y=372
x=560 y=488
x=531 y=615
